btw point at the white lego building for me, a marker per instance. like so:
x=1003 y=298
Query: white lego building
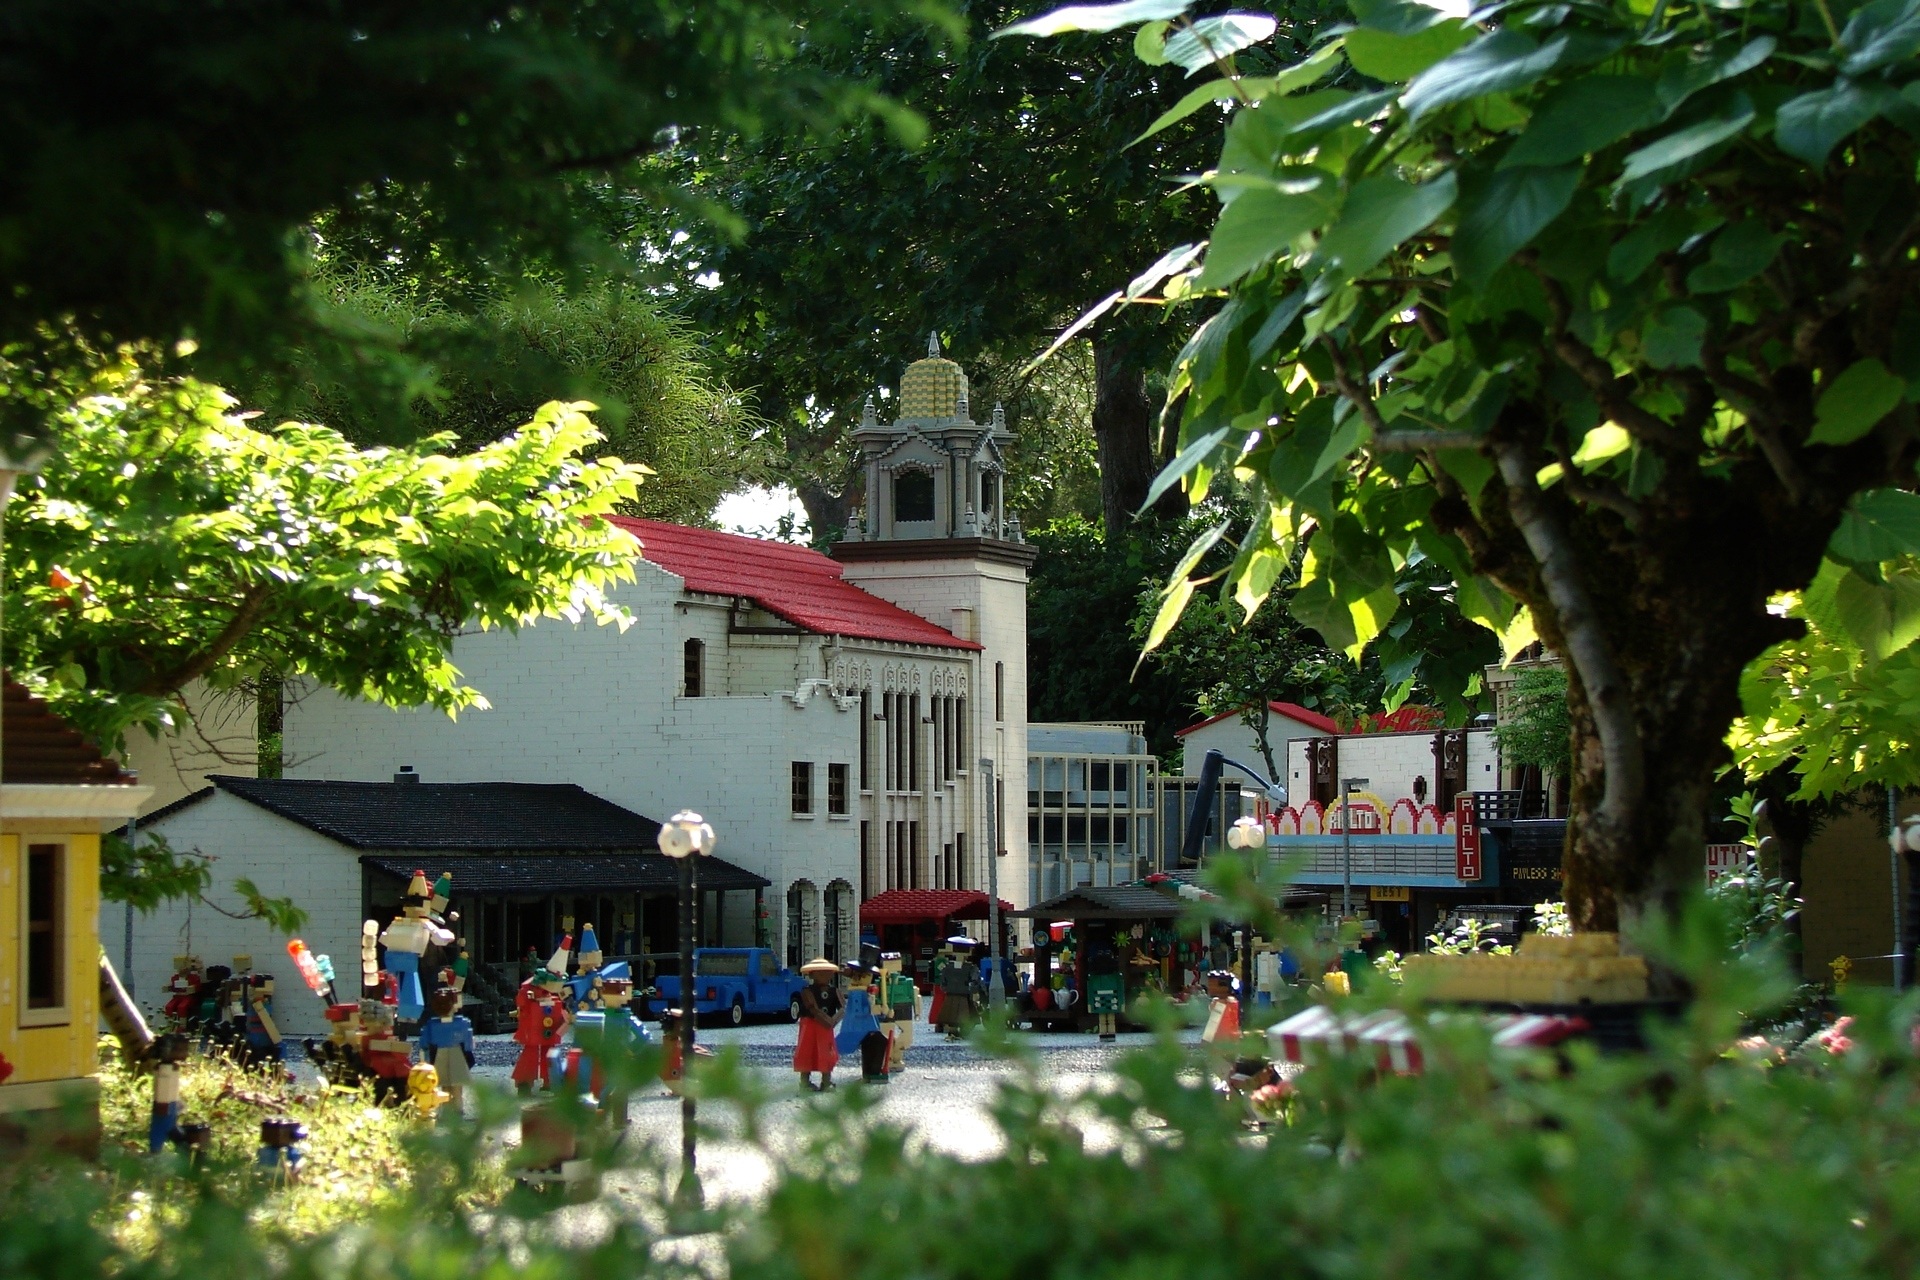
x=827 y=715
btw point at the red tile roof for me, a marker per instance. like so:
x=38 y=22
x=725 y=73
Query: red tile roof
x=1292 y=710
x=905 y=906
x=793 y=583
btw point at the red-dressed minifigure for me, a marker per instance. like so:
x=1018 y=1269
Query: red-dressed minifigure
x=541 y=1023
x=384 y=1053
x=183 y=991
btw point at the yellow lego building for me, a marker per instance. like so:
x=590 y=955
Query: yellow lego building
x=57 y=794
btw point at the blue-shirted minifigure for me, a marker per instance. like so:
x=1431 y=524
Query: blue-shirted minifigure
x=280 y=1152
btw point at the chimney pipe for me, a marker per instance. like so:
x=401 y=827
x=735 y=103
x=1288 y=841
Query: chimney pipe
x=406 y=774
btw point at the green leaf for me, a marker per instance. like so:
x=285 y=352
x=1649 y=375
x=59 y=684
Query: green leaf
x=1211 y=39
x=1381 y=212
x=1186 y=460
x=1180 y=585
x=1094 y=17
x=1500 y=61
x=1501 y=212
x=1308 y=71
x=1738 y=254
x=1635 y=251
x=1399 y=58
x=1257 y=226
x=1882 y=617
x=1811 y=125
x=1216 y=91
x=1878 y=525
x=1671 y=339
x=1608 y=440
x=1856 y=401
x=1682 y=79
x=1583 y=116
x=1150 y=44
x=1880 y=33
x=1684 y=144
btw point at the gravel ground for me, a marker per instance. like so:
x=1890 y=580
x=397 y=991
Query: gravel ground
x=942 y=1096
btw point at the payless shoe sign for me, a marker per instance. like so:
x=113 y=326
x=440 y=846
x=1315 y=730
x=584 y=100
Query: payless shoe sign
x=1466 y=839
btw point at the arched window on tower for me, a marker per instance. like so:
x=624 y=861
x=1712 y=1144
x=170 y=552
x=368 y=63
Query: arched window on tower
x=913 y=496
x=989 y=495
x=693 y=664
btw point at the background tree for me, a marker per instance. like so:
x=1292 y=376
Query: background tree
x=161 y=171
x=1024 y=206
x=1607 y=310
x=1535 y=729
x=479 y=367
x=166 y=542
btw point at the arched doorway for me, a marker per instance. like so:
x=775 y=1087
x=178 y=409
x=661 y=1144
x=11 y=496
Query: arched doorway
x=803 y=922
x=843 y=937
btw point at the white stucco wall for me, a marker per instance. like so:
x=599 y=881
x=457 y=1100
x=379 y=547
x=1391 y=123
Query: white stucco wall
x=1234 y=739
x=283 y=859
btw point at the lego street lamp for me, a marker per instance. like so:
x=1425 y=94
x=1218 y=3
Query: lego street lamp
x=686 y=837
x=1348 y=788
x=1247 y=833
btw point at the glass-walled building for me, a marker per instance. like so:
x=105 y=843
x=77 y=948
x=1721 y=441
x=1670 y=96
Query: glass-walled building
x=1093 y=803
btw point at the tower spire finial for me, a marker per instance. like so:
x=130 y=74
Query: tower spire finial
x=933 y=344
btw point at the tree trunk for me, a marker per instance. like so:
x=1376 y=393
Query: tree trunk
x=1656 y=609
x=828 y=513
x=1123 y=420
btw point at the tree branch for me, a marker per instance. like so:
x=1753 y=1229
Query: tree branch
x=1597 y=493
x=185 y=673
x=1353 y=391
x=1608 y=696
x=1614 y=393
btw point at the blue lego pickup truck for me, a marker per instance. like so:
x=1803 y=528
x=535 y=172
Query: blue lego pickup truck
x=735 y=982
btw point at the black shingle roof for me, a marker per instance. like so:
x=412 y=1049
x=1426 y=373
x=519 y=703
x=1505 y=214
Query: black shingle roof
x=1121 y=902
x=454 y=817
x=565 y=872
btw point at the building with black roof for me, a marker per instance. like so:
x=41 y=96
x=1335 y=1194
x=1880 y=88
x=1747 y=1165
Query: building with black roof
x=529 y=862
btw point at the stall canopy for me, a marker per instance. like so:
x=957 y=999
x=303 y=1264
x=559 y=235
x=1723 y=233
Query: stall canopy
x=1093 y=902
x=914 y=906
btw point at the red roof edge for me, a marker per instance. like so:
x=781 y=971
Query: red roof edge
x=1292 y=710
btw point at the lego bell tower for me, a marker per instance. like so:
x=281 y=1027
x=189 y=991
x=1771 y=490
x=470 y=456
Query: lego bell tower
x=936 y=539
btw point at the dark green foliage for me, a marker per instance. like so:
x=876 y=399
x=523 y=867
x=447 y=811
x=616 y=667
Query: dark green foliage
x=162 y=158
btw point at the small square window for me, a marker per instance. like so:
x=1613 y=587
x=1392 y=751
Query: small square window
x=837 y=788
x=803 y=786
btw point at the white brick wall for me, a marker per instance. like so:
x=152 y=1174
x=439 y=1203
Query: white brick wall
x=283 y=859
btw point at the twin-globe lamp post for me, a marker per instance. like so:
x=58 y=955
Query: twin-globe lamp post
x=1246 y=834
x=686 y=837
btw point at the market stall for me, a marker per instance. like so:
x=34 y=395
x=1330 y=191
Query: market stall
x=1391 y=1040
x=918 y=922
x=1136 y=926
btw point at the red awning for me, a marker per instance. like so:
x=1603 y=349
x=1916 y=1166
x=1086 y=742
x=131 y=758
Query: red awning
x=1393 y=1042
x=910 y=906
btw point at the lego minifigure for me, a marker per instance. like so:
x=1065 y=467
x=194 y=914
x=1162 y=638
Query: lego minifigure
x=263 y=1036
x=819 y=1016
x=280 y=1153
x=338 y=1056
x=586 y=983
x=613 y=1035
x=462 y=965
x=903 y=1006
x=385 y=1054
x=210 y=1006
x=541 y=1021
x=407 y=940
x=446 y=1041
x=860 y=1030
x=1223 y=1015
x=183 y=992
x=424 y=1091
x=168 y=1052
x=1106 y=991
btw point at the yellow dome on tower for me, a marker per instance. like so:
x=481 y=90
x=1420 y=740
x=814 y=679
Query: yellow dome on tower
x=934 y=387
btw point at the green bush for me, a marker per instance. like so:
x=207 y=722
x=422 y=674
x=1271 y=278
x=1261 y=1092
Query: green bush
x=1709 y=1156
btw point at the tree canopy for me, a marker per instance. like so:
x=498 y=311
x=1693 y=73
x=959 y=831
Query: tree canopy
x=481 y=369
x=167 y=540
x=1023 y=206
x=164 y=171
x=1606 y=308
